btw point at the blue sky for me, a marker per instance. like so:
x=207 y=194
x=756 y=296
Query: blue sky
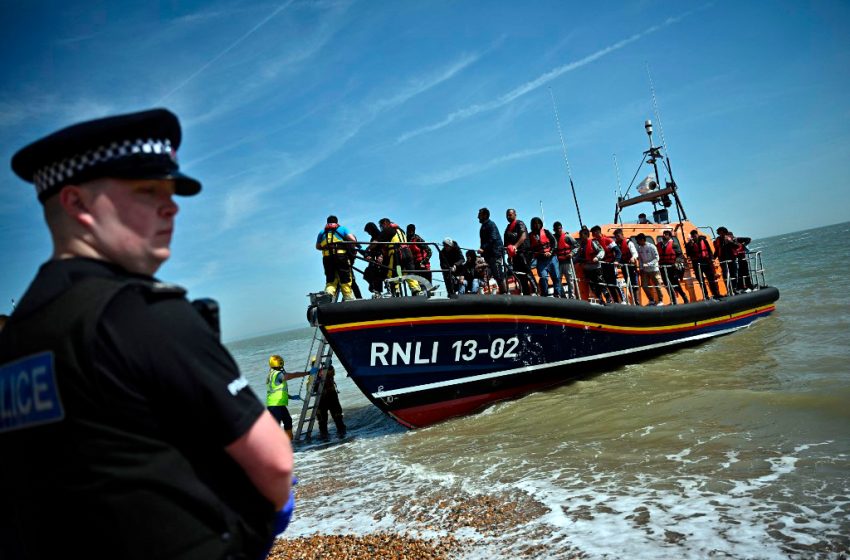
x=424 y=112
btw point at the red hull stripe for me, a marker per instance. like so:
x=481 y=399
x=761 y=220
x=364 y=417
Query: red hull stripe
x=427 y=414
x=539 y=320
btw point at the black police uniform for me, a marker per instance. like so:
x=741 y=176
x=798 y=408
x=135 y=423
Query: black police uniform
x=137 y=466
x=117 y=399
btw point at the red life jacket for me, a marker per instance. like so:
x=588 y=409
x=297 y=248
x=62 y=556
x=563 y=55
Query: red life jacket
x=626 y=253
x=589 y=251
x=666 y=254
x=541 y=243
x=703 y=252
x=564 y=250
x=606 y=244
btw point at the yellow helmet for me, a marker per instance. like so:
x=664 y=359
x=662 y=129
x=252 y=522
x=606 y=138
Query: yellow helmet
x=275 y=362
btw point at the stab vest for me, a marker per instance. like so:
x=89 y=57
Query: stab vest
x=87 y=458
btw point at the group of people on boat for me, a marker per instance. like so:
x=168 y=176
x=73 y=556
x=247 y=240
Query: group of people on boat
x=394 y=255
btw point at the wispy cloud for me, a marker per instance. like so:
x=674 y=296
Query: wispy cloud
x=468 y=169
x=232 y=46
x=542 y=80
x=25 y=108
x=243 y=202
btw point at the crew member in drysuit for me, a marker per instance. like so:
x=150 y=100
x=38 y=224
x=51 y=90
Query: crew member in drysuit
x=672 y=265
x=335 y=258
x=329 y=402
x=397 y=255
x=277 y=392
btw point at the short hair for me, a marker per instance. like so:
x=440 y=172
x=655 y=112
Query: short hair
x=641 y=215
x=470 y=253
x=557 y=225
x=721 y=230
x=333 y=219
x=594 y=229
x=372 y=229
x=510 y=210
x=618 y=230
x=536 y=221
x=411 y=227
x=384 y=221
x=584 y=231
x=641 y=237
x=484 y=211
x=666 y=231
x=693 y=231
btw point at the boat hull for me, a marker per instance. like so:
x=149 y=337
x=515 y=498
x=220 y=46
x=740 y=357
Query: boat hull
x=423 y=361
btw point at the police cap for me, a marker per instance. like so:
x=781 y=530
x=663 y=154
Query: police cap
x=139 y=145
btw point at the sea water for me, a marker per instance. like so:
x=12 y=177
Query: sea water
x=737 y=447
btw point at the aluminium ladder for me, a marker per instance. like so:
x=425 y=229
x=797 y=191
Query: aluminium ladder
x=324 y=357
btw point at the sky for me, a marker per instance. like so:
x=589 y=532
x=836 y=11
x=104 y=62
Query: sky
x=424 y=112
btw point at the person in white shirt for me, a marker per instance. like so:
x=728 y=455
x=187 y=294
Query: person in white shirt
x=650 y=276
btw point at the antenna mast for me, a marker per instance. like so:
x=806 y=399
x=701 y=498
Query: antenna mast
x=564 y=147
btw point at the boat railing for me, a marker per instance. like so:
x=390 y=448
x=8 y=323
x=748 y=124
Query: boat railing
x=737 y=275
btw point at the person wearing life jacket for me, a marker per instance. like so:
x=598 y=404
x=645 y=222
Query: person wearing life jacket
x=421 y=253
x=565 y=249
x=397 y=256
x=609 y=264
x=590 y=254
x=335 y=259
x=699 y=252
x=519 y=251
x=628 y=262
x=277 y=392
x=374 y=273
x=672 y=264
x=744 y=282
x=543 y=248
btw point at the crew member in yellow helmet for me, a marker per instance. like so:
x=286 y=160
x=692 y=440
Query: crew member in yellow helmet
x=335 y=257
x=277 y=392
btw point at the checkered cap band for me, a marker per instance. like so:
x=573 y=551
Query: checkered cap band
x=63 y=171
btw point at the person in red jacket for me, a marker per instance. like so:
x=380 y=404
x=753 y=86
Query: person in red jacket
x=421 y=253
x=543 y=247
x=566 y=249
x=672 y=264
x=702 y=258
x=609 y=263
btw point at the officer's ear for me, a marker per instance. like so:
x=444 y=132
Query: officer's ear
x=75 y=202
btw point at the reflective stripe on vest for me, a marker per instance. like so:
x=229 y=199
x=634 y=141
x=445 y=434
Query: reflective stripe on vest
x=277 y=394
x=331 y=237
x=625 y=253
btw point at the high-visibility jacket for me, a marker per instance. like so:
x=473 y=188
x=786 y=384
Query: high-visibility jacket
x=328 y=238
x=277 y=393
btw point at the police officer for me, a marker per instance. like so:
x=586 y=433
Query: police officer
x=127 y=430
